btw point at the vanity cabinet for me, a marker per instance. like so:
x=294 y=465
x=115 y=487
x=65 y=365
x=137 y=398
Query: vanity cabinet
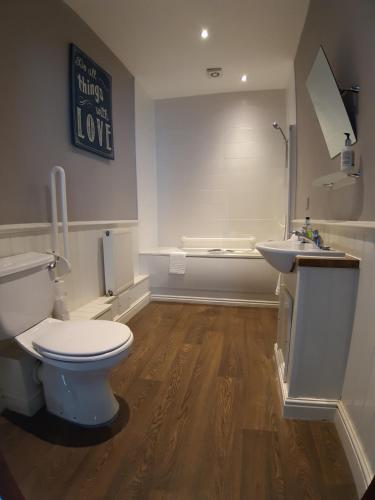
x=317 y=304
x=284 y=327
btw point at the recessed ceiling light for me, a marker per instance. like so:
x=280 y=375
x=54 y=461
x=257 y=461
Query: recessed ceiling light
x=214 y=72
x=244 y=78
x=204 y=33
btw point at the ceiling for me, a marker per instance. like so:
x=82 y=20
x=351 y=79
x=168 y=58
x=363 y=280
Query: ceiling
x=159 y=41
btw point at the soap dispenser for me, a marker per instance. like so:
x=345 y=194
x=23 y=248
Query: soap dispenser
x=347 y=155
x=307 y=229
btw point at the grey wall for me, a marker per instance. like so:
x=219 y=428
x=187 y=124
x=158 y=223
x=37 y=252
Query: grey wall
x=35 y=126
x=345 y=29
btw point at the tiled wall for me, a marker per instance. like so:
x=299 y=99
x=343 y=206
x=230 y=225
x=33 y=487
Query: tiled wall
x=359 y=386
x=220 y=166
x=86 y=281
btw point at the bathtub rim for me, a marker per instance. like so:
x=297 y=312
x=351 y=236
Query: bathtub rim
x=191 y=252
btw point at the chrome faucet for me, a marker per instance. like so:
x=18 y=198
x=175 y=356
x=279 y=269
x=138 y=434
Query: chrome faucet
x=315 y=240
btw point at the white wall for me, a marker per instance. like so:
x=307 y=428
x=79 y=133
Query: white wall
x=220 y=166
x=86 y=281
x=291 y=111
x=146 y=168
x=345 y=32
x=359 y=386
x=291 y=172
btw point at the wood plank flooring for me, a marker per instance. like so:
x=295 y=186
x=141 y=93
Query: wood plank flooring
x=199 y=420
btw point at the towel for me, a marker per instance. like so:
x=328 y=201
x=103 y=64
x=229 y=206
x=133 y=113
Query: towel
x=177 y=263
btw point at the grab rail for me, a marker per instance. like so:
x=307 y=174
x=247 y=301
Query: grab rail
x=56 y=170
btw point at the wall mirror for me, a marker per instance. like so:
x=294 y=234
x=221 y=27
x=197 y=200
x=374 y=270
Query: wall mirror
x=328 y=104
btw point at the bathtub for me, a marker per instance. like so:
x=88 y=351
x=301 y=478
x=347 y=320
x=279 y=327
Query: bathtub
x=229 y=273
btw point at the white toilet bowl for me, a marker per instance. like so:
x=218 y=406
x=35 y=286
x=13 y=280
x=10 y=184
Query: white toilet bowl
x=76 y=357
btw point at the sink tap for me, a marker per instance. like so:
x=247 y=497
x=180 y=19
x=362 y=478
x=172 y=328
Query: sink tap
x=315 y=240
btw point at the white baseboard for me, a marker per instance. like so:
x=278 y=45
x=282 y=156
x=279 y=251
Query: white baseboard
x=358 y=461
x=214 y=301
x=301 y=408
x=134 y=308
x=318 y=409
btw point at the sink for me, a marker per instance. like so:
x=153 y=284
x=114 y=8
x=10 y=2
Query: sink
x=281 y=254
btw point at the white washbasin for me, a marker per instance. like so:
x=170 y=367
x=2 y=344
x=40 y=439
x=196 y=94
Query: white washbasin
x=281 y=254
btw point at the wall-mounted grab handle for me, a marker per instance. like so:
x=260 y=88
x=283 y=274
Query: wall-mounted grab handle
x=59 y=171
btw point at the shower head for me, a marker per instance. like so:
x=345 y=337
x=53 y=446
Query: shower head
x=276 y=126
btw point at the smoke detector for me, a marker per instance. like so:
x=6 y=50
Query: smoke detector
x=214 y=72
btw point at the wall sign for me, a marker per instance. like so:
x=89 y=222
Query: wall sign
x=91 y=105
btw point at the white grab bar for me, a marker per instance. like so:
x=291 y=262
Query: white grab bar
x=64 y=212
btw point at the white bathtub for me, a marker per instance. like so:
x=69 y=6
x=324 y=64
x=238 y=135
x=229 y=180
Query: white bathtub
x=237 y=277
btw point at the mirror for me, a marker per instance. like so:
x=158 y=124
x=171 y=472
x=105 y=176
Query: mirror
x=328 y=104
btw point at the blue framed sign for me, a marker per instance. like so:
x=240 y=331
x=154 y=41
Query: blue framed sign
x=91 y=105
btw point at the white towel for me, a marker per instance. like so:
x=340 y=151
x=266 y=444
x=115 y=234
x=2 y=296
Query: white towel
x=177 y=263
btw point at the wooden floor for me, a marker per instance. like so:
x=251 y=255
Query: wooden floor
x=199 y=420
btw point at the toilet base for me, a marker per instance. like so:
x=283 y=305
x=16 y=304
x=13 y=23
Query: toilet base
x=83 y=398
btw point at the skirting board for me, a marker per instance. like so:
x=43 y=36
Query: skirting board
x=317 y=409
x=134 y=308
x=214 y=301
x=354 y=451
x=301 y=408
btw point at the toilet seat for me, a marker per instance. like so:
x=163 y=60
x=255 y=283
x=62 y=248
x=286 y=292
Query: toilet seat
x=83 y=360
x=82 y=341
x=76 y=341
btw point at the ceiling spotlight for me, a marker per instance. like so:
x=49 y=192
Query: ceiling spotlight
x=204 y=33
x=244 y=78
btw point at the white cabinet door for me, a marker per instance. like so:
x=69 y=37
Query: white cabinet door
x=285 y=325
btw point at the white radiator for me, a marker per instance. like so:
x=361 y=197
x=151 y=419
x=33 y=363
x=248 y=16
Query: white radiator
x=118 y=260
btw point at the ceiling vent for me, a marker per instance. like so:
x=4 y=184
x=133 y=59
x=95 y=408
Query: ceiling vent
x=214 y=72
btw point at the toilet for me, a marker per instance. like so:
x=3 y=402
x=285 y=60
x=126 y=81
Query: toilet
x=73 y=357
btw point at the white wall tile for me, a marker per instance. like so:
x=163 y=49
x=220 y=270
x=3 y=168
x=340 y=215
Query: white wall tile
x=250 y=149
x=220 y=166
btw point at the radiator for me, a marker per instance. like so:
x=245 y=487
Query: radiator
x=118 y=260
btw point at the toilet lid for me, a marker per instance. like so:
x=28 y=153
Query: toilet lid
x=82 y=338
